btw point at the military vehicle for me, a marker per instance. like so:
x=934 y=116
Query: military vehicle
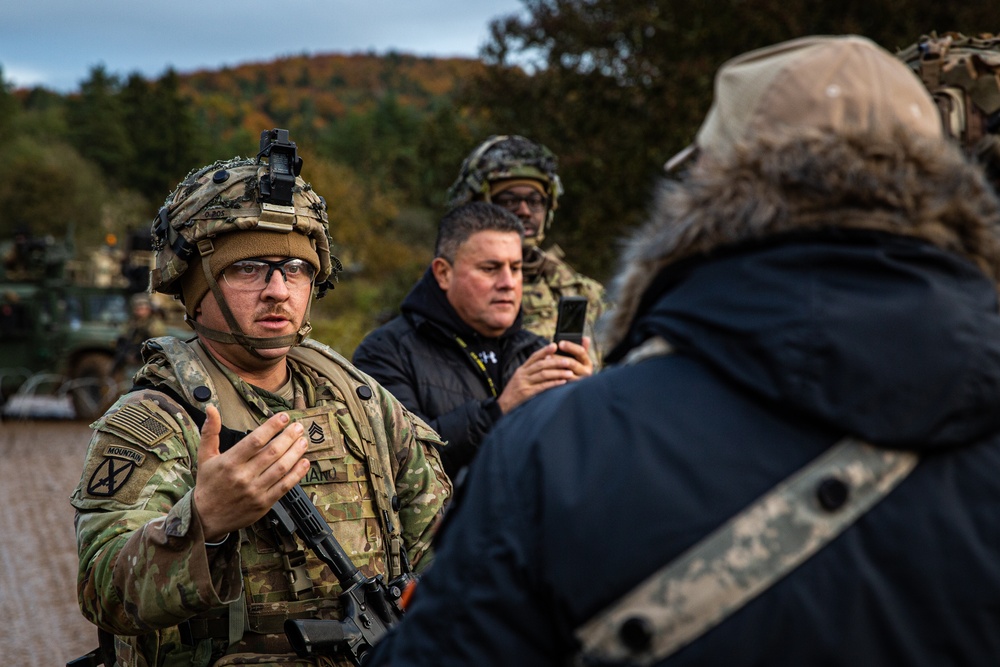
x=60 y=322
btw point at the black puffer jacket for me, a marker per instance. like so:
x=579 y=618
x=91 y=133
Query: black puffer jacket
x=846 y=325
x=417 y=358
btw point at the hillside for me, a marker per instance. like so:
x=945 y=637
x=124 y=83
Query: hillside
x=309 y=92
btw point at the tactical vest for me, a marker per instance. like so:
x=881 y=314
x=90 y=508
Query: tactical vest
x=350 y=480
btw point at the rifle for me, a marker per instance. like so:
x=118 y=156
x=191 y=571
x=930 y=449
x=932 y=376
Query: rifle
x=370 y=606
x=121 y=353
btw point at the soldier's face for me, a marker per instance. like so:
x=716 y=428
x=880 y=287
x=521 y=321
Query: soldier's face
x=483 y=282
x=532 y=217
x=276 y=310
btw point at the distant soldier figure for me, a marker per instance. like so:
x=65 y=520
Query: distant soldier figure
x=143 y=323
x=963 y=75
x=520 y=175
x=19 y=262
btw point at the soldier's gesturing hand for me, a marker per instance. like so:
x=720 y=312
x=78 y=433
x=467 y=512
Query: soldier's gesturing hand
x=545 y=369
x=235 y=488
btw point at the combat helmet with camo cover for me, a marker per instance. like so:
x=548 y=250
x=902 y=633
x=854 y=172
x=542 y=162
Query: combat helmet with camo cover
x=507 y=157
x=963 y=75
x=238 y=209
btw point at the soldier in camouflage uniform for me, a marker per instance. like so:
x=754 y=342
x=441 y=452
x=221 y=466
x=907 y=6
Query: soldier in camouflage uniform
x=520 y=175
x=963 y=75
x=176 y=559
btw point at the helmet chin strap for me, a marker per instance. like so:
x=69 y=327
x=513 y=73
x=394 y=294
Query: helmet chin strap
x=536 y=240
x=235 y=334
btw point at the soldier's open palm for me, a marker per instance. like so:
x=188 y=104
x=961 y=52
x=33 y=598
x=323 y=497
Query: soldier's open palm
x=237 y=487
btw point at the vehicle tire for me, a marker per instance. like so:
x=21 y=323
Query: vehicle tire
x=92 y=385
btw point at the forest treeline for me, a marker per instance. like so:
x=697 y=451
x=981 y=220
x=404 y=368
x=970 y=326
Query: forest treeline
x=614 y=87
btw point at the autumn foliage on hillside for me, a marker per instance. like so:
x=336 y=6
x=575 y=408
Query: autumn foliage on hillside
x=308 y=93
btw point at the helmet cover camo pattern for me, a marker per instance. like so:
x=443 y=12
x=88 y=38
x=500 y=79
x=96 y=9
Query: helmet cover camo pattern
x=503 y=157
x=224 y=198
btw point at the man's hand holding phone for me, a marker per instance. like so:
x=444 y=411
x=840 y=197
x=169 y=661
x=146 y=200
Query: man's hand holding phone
x=543 y=369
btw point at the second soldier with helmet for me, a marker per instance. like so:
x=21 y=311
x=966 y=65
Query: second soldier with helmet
x=521 y=176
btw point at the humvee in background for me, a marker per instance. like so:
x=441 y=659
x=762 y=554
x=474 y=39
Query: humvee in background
x=60 y=323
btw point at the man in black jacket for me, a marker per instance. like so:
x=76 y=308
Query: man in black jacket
x=825 y=269
x=457 y=356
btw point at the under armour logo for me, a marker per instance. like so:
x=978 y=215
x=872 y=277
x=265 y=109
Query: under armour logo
x=316 y=434
x=109 y=477
x=489 y=357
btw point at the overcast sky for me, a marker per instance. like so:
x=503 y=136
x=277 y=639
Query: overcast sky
x=55 y=43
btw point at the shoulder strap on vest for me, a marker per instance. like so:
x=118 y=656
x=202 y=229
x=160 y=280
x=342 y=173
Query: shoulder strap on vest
x=357 y=392
x=187 y=365
x=200 y=384
x=745 y=556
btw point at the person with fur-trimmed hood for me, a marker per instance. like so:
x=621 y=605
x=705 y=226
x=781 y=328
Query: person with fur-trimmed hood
x=793 y=458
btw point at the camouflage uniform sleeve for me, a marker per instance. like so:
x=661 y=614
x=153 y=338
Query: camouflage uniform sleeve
x=422 y=486
x=143 y=560
x=597 y=300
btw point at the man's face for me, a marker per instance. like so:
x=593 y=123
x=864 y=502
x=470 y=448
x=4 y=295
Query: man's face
x=276 y=310
x=527 y=203
x=483 y=283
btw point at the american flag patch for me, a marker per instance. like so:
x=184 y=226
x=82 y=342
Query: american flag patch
x=136 y=423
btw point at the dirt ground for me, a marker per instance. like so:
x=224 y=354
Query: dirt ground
x=40 y=464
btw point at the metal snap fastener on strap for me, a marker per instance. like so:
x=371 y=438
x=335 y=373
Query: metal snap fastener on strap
x=832 y=493
x=636 y=633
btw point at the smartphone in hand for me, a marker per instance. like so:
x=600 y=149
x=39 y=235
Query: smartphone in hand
x=570 y=320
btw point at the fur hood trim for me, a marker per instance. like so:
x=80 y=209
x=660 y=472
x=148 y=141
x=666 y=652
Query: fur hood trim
x=911 y=187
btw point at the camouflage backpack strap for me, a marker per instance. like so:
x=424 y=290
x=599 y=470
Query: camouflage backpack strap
x=365 y=413
x=743 y=557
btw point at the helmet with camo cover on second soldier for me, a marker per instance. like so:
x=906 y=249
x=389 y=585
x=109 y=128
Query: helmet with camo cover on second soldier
x=506 y=161
x=963 y=75
x=236 y=210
